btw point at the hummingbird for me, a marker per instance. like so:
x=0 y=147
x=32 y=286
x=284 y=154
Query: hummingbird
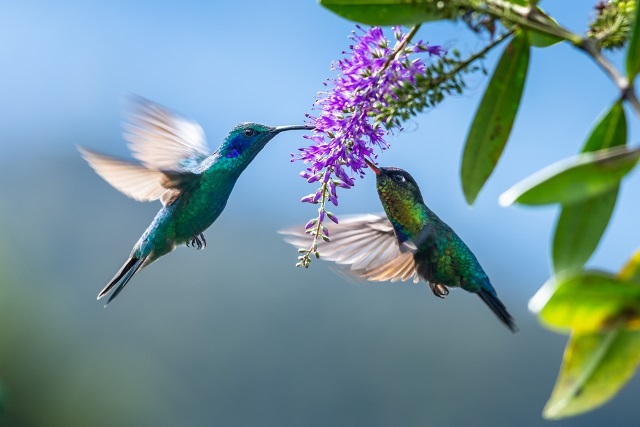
x=177 y=168
x=408 y=242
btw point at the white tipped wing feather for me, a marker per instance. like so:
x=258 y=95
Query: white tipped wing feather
x=134 y=180
x=365 y=243
x=163 y=142
x=161 y=139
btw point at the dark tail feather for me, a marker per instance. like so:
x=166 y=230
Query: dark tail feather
x=498 y=308
x=125 y=273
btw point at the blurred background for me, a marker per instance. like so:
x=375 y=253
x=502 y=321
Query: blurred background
x=236 y=335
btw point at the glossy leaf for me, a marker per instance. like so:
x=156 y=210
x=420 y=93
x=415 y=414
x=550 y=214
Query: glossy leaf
x=492 y=124
x=587 y=301
x=633 y=53
x=574 y=179
x=580 y=225
x=381 y=12
x=595 y=366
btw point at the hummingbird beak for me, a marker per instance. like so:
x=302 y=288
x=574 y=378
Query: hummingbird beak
x=373 y=167
x=279 y=129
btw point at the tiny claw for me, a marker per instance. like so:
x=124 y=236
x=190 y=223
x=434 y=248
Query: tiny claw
x=439 y=289
x=198 y=242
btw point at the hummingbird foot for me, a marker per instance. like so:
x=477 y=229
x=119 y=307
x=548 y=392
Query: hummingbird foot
x=198 y=242
x=439 y=289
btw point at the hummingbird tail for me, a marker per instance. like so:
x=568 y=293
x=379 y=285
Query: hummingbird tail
x=125 y=273
x=498 y=308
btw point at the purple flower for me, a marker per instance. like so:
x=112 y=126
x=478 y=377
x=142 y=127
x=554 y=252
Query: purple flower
x=346 y=132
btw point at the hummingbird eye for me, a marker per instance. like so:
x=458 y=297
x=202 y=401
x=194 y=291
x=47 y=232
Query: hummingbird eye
x=398 y=178
x=248 y=132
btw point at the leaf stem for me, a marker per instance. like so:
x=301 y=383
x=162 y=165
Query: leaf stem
x=627 y=91
x=529 y=18
x=401 y=46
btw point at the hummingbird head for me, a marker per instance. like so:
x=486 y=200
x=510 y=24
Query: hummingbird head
x=247 y=139
x=395 y=184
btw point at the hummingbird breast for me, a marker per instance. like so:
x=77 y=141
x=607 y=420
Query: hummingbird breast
x=406 y=216
x=196 y=210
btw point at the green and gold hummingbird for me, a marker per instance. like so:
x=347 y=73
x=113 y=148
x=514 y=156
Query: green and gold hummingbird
x=409 y=242
x=177 y=168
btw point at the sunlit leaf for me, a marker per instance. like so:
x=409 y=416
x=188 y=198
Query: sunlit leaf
x=580 y=225
x=595 y=366
x=492 y=124
x=383 y=12
x=587 y=301
x=633 y=54
x=574 y=179
x=631 y=270
x=597 y=363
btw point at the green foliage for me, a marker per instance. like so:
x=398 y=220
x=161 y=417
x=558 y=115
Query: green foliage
x=539 y=39
x=603 y=313
x=581 y=225
x=579 y=229
x=596 y=365
x=389 y=12
x=493 y=121
x=587 y=301
x=574 y=179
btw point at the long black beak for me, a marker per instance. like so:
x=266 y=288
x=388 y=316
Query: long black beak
x=373 y=167
x=279 y=129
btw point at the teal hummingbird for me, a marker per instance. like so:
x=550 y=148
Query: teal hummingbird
x=176 y=168
x=409 y=242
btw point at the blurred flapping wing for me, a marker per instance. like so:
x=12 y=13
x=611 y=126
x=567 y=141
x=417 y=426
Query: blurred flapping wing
x=366 y=244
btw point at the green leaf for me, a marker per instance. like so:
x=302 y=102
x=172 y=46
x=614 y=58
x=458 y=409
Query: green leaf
x=383 y=12
x=631 y=271
x=579 y=229
x=580 y=225
x=595 y=366
x=492 y=124
x=543 y=39
x=610 y=131
x=574 y=179
x=633 y=54
x=587 y=301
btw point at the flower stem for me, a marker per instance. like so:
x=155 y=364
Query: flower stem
x=401 y=46
x=305 y=260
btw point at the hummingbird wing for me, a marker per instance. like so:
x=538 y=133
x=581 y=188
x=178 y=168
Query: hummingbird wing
x=365 y=243
x=132 y=179
x=163 y=140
